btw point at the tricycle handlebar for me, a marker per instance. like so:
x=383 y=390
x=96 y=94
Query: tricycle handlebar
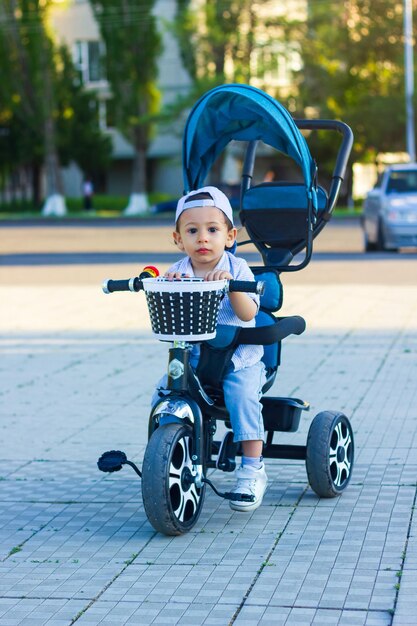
x=126 y=284
x=135 y=284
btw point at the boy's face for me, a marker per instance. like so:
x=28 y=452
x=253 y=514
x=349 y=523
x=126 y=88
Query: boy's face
x=202 y=235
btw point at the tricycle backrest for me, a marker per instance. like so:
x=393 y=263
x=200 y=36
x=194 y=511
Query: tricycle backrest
x=275 y=216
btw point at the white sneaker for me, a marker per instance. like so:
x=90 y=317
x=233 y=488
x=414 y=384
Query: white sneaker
x=251 y=482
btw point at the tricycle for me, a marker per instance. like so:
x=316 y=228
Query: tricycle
x=281 y=219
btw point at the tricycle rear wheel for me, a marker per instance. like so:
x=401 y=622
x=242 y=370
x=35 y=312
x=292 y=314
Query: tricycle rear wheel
x=172 y=501
x=330 y=453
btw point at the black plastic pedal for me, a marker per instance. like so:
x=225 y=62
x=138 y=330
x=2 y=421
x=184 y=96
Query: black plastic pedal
x=230 y=495
x=112 y=461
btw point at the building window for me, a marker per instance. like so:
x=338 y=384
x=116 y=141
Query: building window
x=88 y=60
x=107 y=114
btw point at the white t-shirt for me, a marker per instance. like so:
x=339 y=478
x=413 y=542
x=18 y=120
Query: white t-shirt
x=244 y=355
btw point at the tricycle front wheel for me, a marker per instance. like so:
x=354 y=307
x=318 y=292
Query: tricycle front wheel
x=172 y=501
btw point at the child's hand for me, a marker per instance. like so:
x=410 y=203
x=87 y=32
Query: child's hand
x=175 y=275
x=218 y=275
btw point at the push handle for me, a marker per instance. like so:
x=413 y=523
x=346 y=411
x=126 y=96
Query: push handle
x=345 y=147
x=342 y=154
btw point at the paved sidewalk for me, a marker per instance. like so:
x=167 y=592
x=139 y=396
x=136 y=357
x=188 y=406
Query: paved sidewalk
x=77 y=371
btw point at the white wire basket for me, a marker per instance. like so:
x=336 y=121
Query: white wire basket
x=183 y=310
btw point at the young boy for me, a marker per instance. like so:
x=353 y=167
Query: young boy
x=205 y=231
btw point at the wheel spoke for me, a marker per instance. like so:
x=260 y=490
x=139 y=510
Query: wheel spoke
x=346 y=466
x=186 y=497
x=339 y=433
x=346 y=441
x=340 y=467
x=174 y=479
x=182 y=500
x=343 y=441
x=342 y=470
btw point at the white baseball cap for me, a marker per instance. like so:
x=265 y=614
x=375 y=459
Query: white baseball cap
x=217 y=198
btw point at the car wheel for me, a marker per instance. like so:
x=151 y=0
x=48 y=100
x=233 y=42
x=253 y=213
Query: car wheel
x=369 y=245
x=380 y=243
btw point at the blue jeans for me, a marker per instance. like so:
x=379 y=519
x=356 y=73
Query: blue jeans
x=242 y=393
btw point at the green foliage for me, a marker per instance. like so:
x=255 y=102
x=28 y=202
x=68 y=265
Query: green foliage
x=352 y=63
x=133 y=45
x=104 y=205
x=353 y=70
x=29 y=63
x=79 y=136
x=21 y=106
x=216 y=40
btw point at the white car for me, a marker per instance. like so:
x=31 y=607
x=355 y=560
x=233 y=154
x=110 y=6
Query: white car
x=390 y=211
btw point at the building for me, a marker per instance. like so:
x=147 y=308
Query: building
x=271 y=65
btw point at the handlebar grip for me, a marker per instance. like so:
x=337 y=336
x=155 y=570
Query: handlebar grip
x=126 y=284
x=247 y=286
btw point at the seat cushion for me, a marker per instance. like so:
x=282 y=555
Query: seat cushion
x=271 y=299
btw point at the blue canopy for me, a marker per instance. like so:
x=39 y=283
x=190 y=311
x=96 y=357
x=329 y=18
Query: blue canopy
x=242 y=113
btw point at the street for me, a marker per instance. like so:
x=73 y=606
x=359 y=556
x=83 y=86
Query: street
x=85 y=254
x=77 y=373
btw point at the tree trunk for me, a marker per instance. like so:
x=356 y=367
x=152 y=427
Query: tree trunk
x=55 y=202
x=138 y=200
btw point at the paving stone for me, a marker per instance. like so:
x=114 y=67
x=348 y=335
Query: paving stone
x=83 y=536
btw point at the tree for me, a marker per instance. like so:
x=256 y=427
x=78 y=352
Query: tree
x=47 y=117
x=79 y=137
x=227 y=41
x=20 y=106
x=353 y=70
x=28 y=90
x=216 y=40
x=133 y=44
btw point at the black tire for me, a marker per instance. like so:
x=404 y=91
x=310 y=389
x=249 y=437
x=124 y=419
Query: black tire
x=330 y=454
x=172 y=503
x=369 y=245
x=380 y=243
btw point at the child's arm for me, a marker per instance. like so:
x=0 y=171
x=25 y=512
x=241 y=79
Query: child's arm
x=244 y=307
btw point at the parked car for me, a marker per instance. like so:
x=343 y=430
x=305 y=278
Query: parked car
x=390 y=210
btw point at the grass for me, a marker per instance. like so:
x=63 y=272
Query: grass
x=104 y=206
